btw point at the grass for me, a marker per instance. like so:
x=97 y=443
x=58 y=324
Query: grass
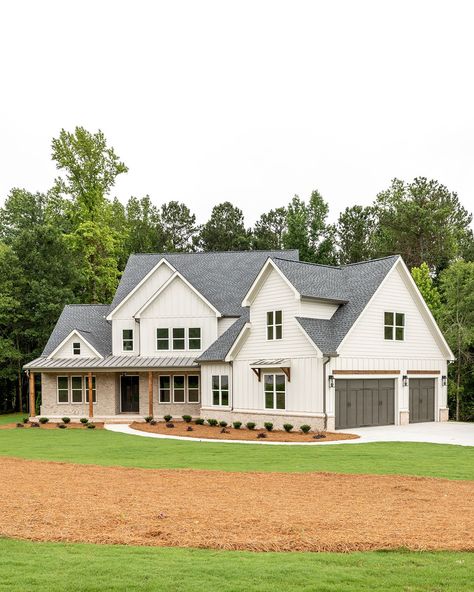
x=12 y=418
x=100 y=447
x=77 y=568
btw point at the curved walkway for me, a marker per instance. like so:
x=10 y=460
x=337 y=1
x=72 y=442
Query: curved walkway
x=461 y=434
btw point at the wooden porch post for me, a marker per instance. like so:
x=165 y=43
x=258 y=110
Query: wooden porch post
x=32 y=395
x=91 y=402
x=150 y=393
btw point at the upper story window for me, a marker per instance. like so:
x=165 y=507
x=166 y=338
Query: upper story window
x=177 y=338
x=394 y=326
x=194 y=338
x=179 y=341
x=163 y=339
x=76 y=348
x=127 y=340
x=274 y=324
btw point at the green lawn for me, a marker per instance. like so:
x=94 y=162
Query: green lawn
x=66 y=567
x=106 y=448
x=12 y=418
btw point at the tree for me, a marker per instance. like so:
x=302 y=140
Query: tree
x=457 y=322
x=225 y=230
x=179 y=228
x=355 y=229
x=424 y=281
x=143 y=224
x=422 y=221
x=269 y=230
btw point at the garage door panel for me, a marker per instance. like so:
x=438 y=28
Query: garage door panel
x=421 y=399
x=364 y=402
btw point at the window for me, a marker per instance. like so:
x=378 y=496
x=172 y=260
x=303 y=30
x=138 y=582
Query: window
x=165 y=389
x=220 y=390
x=162 y=339
x=127 y=340
x=275 y=387
x=178 y=389
x=394 y=326
x=194 y=338
x=63 y=389
x=76 y=348
x=76 y=389
x=94 y=390
x=274 y=325
x=178 y=338
x=193 y=388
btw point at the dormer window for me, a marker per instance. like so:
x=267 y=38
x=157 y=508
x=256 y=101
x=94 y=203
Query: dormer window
x=274 y=325
x=76 y=348
x=127 y=340
x=394 y=326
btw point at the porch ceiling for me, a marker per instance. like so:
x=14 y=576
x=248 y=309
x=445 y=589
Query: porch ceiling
x=111 y=363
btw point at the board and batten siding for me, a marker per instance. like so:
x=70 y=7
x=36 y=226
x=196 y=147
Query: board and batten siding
x=208 y=370
x=65 y=351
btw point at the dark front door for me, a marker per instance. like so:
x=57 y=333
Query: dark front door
x=129 y=394
x=422 y=399
x=361 y=403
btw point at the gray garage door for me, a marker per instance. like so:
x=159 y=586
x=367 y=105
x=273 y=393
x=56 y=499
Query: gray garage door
x=422 y=399
x=364 y=403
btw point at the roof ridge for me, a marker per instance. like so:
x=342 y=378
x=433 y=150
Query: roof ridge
x=309 y=263
x=86 y=304
x=370 y=260
x=217 y=252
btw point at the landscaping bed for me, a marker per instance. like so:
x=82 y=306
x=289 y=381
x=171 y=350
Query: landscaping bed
x=52 y=425
x=216 y=432
x=248 y=511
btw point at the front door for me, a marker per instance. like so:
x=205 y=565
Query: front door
x=129 y=394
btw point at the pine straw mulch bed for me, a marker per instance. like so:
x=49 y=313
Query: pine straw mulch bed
x=51 y=425
x=48 y=501
x=208 y=432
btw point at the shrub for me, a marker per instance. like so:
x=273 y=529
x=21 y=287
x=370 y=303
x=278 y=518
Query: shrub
x=26 y=420
x=66 y=419
x=167 y=417
x=148 y=418
x=169 y=424
x=189 y=429
x=223 y=424
x=212 y=422
x=91 y=426
x=319 y=434
x=224 y=431
x=250 y=425
x=34 y=424
x=237 y=425
x=20 y=425
x=153 y=422
x=43 y=420
x=84 y=420
x=268 y=426
x=187 y=418
x=62 y=426
x=261 y=435
x=287 y=427
x=305 y=428
x=199 y=421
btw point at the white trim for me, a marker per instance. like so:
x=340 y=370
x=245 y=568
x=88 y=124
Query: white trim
x=72 y=348
x=274 y=325
x=274 y=374
x=249 y=297
x=171 y=339
x=81 y=402
x=130 y=294
x=78 y=334
x=163 y=287
x=58 y=402
x=230 y=353
x=198 y=389
x=128 y=352
x=183 y=376
x=394 y=326
x=220 y=390
x=170 y=389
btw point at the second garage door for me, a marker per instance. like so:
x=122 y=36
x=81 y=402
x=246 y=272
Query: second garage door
x=422 y=399
x=361 y=403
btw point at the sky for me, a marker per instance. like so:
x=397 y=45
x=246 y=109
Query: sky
x=250 y=102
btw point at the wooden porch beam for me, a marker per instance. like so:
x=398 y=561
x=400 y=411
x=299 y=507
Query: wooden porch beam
x=91 y=402
x=150 y=393
x=287 y=372
x=32 y=394
x=258 y=373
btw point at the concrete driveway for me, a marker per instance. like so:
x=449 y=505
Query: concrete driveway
x=459 y=433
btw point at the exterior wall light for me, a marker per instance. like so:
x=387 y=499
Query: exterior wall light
x=444 y=380
x=332 y=382
x=405 y=380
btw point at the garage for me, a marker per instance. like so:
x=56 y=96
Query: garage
x=367 y=402
x=422 y=399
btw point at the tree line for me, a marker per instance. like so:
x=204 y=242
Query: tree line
x=71 y=243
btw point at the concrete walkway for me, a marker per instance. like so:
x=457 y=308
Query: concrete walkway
x=461 y=434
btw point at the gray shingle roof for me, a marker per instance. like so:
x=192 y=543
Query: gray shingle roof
x=220 y=348
x=223 y=278
x=89 y=320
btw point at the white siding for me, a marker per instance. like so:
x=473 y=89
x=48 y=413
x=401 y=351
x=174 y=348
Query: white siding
x=66 y=350
x=118 y=325
x=224 y=324
x=317 y=310
x=177 y=306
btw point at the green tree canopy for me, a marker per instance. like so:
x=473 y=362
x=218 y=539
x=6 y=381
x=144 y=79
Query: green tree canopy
x=429 y=291
x=355 y=234
x=178 y=227
x=269 y=230
x=225 y=230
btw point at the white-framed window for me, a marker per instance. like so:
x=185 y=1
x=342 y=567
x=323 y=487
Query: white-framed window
x=220 y=390
x=162 y=338
x=179 y=393
x=275 y=391
x=179 y=338
x=94 y=390
x=127 y=340
x=274 y=325
x=394 y=326
x=193 y=388
x=194 y=338
x=76 y=389
x=63 y=389
x=165 y=389
x=76 y=348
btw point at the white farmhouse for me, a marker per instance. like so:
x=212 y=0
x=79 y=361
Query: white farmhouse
x=250 y=336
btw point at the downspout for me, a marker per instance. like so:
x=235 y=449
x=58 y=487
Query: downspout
x=325 y=363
